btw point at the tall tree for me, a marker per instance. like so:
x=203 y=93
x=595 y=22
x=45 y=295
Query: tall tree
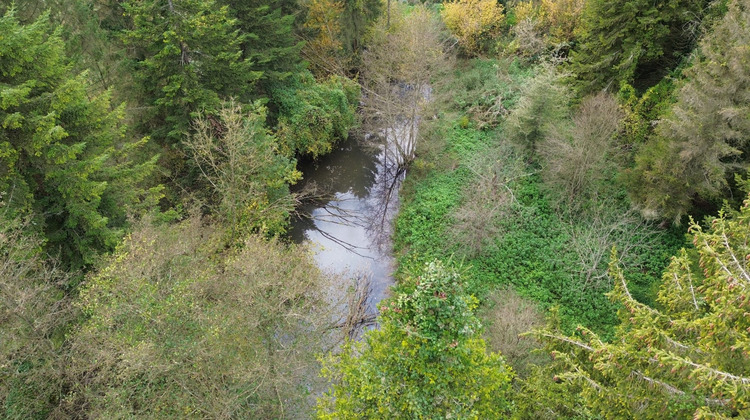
x=401 y=60
x=322 y=31
x=269 y=41
x=178 y=326
x=702 y=142
x=356 y=19
x=622 y=40
x=186 y=57
x=240 y=160
x=63 y=153
x=688 y=358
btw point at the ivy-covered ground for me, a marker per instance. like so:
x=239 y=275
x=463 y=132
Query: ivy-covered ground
x=527 y=243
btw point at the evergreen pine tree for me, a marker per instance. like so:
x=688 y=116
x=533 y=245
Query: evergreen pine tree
x=63 y=154
x=187 y=58
x=268 y=38
x=690 y=358
x=703 y=140
x=620 y=40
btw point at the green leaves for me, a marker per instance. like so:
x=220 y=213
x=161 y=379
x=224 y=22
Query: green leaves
x=187 y=58
x=179 y=325
x=425 y=361
x=240 y=161
x=689 y=358
x=59 y=147
x=314 y=115
x=619 y=40
x=701 y=141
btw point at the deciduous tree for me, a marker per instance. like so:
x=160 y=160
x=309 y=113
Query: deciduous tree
x=240 y=160
x=315 y=114
x=34 y=314
x=476 y=23
x=178 y=326
x=426 y=359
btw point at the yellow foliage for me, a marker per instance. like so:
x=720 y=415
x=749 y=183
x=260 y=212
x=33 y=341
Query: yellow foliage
x=323 y=50
x=474 y=22
x=561 y=18
x=527 y=10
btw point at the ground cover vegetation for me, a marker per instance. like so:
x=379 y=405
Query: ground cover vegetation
x=559 y=154
x=560 y=183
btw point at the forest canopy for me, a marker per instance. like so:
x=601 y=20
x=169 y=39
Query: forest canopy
x=568 y=180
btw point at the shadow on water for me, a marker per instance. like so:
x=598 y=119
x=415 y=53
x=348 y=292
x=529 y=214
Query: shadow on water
x=350 y=228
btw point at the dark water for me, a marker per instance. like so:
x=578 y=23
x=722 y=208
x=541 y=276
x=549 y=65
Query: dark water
x=350 y=229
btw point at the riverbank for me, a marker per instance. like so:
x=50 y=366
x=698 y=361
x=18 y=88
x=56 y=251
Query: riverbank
x=472 y=199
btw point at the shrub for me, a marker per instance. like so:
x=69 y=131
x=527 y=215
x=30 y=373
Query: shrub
x=426 y=360
x=177 y=327
x=476 y=23
x=577 y=159
x=507 y=316
x=314 y=115
x=544 y=105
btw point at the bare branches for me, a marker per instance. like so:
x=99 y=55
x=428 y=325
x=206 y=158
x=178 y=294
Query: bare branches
x=398 y=66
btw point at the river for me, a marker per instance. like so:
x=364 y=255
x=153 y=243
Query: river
x=350 y=229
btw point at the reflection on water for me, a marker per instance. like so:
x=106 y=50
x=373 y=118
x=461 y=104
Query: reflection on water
x=350 y=230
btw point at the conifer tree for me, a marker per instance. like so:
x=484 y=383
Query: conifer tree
x=619 y=39
x=187 y=57
x=703 y=141
x=63 y=154
x=356 y=18
x=269 y=40
x=688 y=358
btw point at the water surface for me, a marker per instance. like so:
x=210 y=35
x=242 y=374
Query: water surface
x=350 y=229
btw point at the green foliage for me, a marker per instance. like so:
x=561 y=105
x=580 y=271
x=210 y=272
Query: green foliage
x=485 y=89
x=63 y=152
x=690 y=357
x=702 y=142
x=314 y=115
x=553 y=256
x=179 y=327
x=186 y=58
x=268 y=38
x=543 y=105
x=641 y=112
x=627 y=40
x=425 y=361
x=356 y=18
x=239 y=159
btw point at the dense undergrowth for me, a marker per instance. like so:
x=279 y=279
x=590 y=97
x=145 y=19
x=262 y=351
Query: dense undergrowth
x=527 y=243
